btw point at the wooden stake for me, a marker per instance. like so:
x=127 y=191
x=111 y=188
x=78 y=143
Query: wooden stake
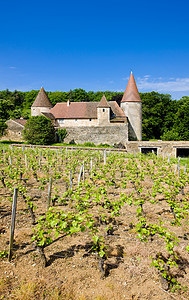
x=13 y=223
x=91 y=164
x=83 y=171
x=26 y=163
x=70 y=179
x=104 y=156
x=80 y=173
x=40 y=159
x=49 y=193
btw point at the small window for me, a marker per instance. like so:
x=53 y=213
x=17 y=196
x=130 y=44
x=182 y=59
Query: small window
x=75 y=120
x=182 y=152
x=103 y=109
x=146 y=150
x=89 y=119
x=61 y=121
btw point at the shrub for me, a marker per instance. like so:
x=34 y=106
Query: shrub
x=39 y=131
x=62 y=133
x=170 y=135
x=89 y=144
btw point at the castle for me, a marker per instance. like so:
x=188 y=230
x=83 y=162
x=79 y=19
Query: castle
x=97 y=122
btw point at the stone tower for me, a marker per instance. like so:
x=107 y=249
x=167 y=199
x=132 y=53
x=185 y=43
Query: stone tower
x=132 y=107
x=103 y=112
x=41 y=104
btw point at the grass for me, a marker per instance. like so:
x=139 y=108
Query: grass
x=11 y=142
x=183 y=161
x=88 y=144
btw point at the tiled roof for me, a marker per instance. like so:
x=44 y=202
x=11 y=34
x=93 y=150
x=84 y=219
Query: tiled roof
x=82 y=110
x=118 y=112
x=42 y=100
x=75 y=110
x=131 y=92
x=103 y=103
x=48 y=115
x=20 y=121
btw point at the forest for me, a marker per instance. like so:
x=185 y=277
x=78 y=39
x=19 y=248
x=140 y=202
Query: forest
x=163 y=117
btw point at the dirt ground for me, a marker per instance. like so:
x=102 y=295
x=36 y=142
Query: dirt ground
x=72 y=271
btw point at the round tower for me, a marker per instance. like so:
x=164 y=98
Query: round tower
x=132 y=107
x=41 y=104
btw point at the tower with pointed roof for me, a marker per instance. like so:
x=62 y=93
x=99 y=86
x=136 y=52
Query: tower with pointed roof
x=103 y=112
x=41 y=104
x=132 y=107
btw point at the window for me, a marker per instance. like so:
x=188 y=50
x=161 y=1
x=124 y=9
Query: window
x=75 y=120
x=89 y=119
x=61 y=121
x=103 y=109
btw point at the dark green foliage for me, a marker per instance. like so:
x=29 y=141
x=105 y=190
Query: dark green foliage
x=62 y=133
x=89 y=144
x=182 y=119
x=3 y=126
x=56 y=97
x=39 y=131
x=157 y=114
x=170 y=135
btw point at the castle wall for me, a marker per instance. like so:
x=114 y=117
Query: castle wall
x=36 y=111
x=13 y=132
x=98 y=135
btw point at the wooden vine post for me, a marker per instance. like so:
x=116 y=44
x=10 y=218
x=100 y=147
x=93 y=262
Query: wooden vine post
x=80 y=173
x=70 y=179
x=49 y=193
x=104 y=156
x=13 y=223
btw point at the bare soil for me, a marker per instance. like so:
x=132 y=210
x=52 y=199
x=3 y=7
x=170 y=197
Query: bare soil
x=72 y=271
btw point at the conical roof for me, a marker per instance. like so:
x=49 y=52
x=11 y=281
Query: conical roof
x=103 y=103
x=42 y=100
x=131 y=92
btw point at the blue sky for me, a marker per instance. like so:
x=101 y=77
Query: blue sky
x=94 y=45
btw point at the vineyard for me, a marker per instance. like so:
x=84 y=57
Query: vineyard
x=93 y=225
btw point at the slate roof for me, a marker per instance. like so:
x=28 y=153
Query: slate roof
x=131 y=92
x=83 y=110
x=42 y=99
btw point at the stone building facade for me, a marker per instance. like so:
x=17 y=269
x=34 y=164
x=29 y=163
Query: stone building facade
x=97 y=122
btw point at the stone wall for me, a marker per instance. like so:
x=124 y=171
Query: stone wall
x=163 y=147
x=13 y=132
x=98 y=135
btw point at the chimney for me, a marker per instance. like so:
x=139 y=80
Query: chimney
x=68 y=103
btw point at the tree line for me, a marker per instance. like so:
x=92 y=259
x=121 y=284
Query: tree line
x=163 y=117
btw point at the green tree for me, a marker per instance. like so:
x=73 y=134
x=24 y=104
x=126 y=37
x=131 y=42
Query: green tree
x=170 y=135
x=3 y=126
x=181 y=124
x=79 y=95
x=39 y=131
x=62 y=133
x=30 y=98
x=156 y=117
